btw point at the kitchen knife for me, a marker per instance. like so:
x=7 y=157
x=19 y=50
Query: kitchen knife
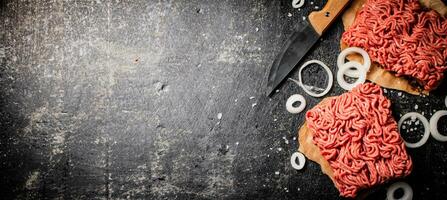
x=301 y=42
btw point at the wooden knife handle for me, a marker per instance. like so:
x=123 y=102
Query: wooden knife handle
x=321 y=20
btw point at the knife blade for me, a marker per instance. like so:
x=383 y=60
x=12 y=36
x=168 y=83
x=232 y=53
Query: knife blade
x=301 y=41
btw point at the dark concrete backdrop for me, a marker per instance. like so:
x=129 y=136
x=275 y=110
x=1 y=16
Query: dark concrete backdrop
x=120 y=99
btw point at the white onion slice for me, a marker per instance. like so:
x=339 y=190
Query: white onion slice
x=350 y=72
x=295 y=98
x=301 y=160
x=424 y=121
x=329 y=74
x=345 y=67
x=434 y=126
x=297 y=3
x=408 y=191
x=445 y=101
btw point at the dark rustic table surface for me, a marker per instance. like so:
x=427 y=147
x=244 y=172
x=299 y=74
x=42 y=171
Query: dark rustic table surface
x=120 y=99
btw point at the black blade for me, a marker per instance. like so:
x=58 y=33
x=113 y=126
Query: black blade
x=293 y=51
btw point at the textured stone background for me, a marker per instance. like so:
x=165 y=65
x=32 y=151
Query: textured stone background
x=119 y=99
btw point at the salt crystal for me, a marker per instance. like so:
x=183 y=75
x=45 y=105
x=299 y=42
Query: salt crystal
x=289 y=14
x=277 y=173
x=277 y=91
x=257 y=29
x=279 y=149
x=275 y=120
x=251 y=98
x=304 y=18
x=237 y=143
x=399 y=93
x=287 y=141
x=253 y=105
x=219 y=116
x=316 y=7
x=416 y=107
x=294 y=138
x=235 y=100
x=311 y=3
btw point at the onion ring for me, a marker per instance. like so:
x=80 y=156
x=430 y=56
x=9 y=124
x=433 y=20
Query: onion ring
x=424 y=121
x=301 y=160
x=345 y=67
x=366 y=60
x=297 y=3
x=295 y=98
x=328 y=71
x=434 y=126
x=408 y=191
x=445 y=101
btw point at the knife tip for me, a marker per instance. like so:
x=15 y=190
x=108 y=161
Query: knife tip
x=269 y=92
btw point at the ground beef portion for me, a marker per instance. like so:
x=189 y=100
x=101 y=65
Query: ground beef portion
x=403 y=37
x=359 y=138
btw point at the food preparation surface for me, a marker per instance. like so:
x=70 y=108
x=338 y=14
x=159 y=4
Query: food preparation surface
x=165 y=100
